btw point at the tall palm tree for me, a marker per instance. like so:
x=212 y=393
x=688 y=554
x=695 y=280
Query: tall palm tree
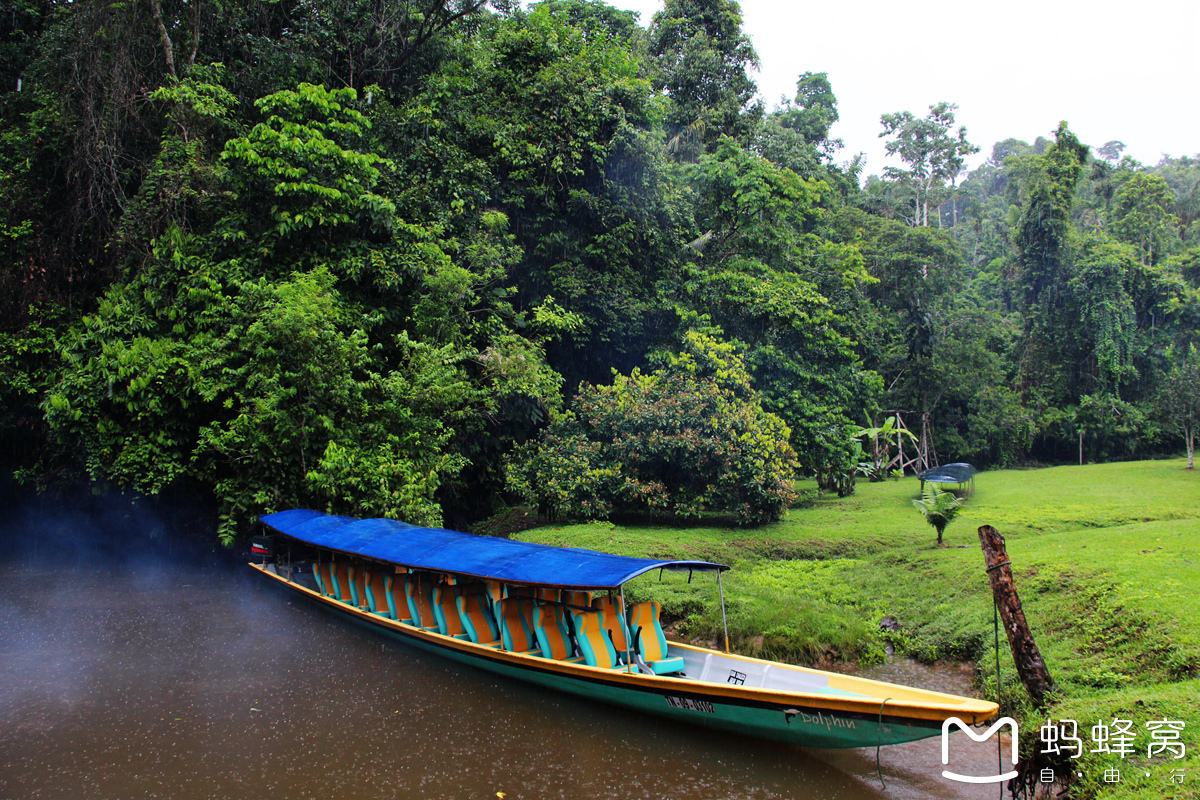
x=939 y=508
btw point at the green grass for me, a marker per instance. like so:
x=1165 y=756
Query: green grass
x=1106 y=559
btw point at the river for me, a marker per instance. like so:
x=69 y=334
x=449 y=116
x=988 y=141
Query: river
x=153 y=680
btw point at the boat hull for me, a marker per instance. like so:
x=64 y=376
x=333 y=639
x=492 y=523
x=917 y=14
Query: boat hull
x=811 y=720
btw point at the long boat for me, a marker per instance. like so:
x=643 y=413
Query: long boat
x=556 y=617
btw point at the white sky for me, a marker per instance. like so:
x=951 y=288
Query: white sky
x=1125 y=71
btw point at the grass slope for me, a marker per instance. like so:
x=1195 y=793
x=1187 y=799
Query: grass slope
x=1106 y=558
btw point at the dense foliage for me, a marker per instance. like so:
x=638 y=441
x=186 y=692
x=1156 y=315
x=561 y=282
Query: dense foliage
x=356 y=255
x=689 y=438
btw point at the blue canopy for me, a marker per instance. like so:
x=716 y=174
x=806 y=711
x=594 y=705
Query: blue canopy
x=441 y=550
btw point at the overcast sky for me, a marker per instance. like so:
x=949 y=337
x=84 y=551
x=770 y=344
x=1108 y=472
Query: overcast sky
x=1125 y=71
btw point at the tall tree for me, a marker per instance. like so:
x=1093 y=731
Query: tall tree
x=903 y=331
x=1143 y=217
x=701 y=60
x=1042 y=229
x=1111 y=151
x=796 y=135
x=934 y=152
x=1041 y=240
x=1101 y=275
x=813 y=112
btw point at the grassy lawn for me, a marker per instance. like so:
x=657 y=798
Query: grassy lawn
x=1106 y=559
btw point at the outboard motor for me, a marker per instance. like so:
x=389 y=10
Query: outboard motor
x=263 y=548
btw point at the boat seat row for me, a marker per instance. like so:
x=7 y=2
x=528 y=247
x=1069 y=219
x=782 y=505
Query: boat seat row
x=560 y=625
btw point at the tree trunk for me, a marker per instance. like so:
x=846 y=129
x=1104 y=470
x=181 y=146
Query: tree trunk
x=924 y=443
x=191 y=59
x=168 y=49
x=1191 y=446
x=1031 y=667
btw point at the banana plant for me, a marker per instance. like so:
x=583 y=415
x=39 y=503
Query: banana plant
x=881 y=439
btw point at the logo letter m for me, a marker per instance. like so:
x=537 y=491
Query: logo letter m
x=1000 y=723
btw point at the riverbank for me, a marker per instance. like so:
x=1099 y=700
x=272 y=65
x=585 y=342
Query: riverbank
x=1106 y=558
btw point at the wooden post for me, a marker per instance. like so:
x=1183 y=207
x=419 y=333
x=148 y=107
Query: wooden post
x=1030 y=666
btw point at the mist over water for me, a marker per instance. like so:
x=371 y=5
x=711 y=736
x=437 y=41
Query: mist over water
x=126 y=675
x=80 y=526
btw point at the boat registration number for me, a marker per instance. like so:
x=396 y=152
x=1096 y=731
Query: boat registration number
x=688 y=704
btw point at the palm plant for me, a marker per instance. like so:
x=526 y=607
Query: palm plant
x=939 y=508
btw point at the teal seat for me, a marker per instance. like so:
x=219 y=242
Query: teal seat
x=651 y=643
x=493 y=593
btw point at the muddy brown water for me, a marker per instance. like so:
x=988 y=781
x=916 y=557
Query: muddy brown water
x=153 y=681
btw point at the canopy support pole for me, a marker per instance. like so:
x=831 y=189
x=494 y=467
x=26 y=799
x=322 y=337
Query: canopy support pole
x=628 y=660
x=724 y=620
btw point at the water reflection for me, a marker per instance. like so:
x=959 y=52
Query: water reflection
x=162 y=681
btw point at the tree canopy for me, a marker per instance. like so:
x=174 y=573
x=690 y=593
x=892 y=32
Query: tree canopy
x=426 y=260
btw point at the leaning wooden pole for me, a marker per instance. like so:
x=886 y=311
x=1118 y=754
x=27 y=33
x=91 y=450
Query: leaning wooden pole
x=1031 y=667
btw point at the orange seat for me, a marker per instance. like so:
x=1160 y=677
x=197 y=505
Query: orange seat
x=341 y=582
x=577 y=598
x=358 y=585
x=324 y=575
x=378 y=587
x=475 y=612
x=516 y=626
x=494 y=592
x=417 y=593
x=445 y=610
x=552 y=634
x=612 y=615
x=397 y=596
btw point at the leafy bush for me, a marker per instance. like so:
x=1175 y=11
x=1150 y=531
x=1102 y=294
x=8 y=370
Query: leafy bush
x=686 y=439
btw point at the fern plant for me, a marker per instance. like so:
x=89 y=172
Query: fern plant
x=939 y=508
